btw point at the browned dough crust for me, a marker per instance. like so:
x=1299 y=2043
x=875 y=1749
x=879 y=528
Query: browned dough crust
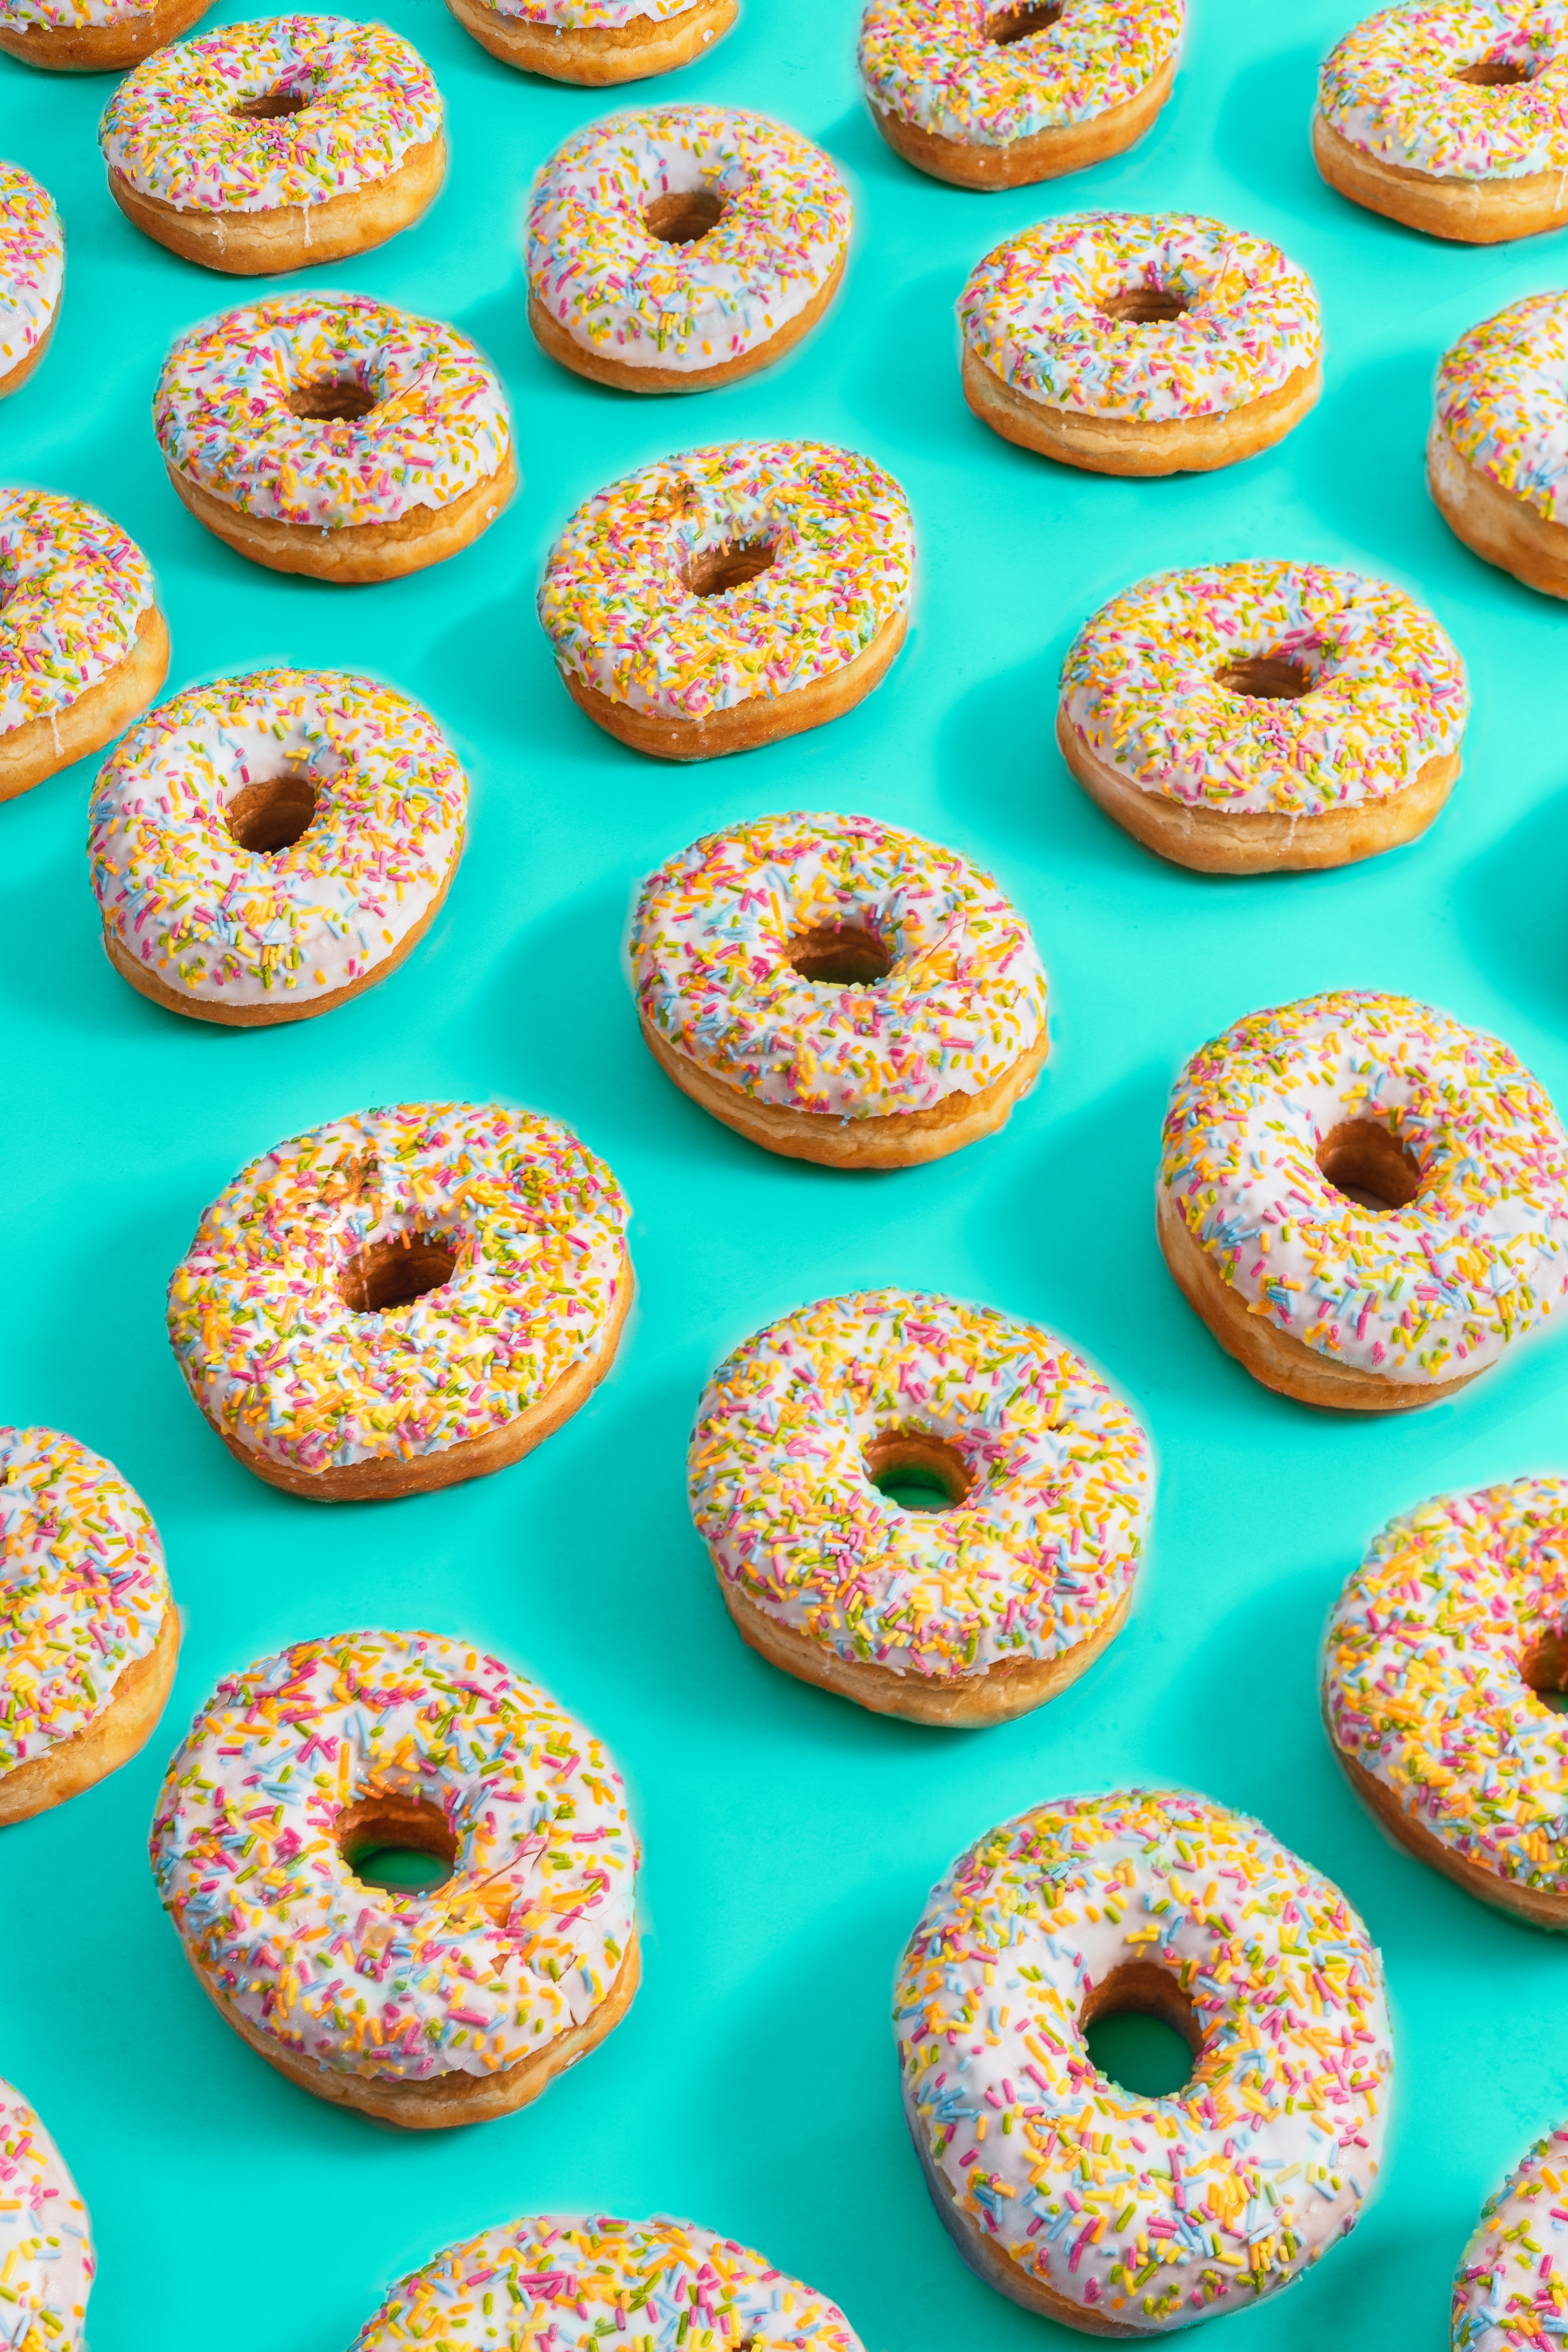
x=598 y=56
x=291 y=237
x=102 y=49
x=15 y=378
x=1472 y=212
x=887 y=1139
x=1127 y=444
x=355 y=554
x=1044 y=155
x=40 y=748
x=1531 y=1903
x=1500 y=528
x=584 y=360
x=103 y=1745
x=1225 y=841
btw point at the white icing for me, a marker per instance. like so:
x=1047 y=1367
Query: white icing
x=47 y=2260
x=72 y=590
x=1392 y=88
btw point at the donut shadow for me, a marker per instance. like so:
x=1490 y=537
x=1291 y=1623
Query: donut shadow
x=1262 y=130
x=1369 y=484
x=915 y=318
x=1508 y=903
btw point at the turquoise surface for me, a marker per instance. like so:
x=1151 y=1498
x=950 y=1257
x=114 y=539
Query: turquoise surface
x=790 y=1839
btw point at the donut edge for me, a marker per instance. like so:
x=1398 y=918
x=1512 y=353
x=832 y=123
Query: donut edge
x=114 y=1736
x=1462 y=212
x=1040 y=155
x=559 y=344
x=355 y=555
x=597 y=57
x=30 y=754
x=103 y=48
x=292 y=237
x=1492 y=523
x=1139 y=446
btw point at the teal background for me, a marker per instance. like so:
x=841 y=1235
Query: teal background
x=790 y=1838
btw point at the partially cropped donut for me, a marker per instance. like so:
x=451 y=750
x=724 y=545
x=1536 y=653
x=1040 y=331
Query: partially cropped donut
x=336 y=436
x=1497 y=456
x=1450 y=116
x=1140 y=343
x=32 y=273
x=596 y=43
x=269 y=145
x=988 y=1580
x=1261 y=717
x=92 y=36
x=265 y=848
x=730 y=596
x=838 y=990
x=682 y=247
x=995 y=93
x=1508 y=2291
x=1365 y=1202
x=47 y=2258
x=440 y=2005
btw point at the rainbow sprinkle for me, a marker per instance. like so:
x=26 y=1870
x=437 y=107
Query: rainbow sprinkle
x=32 y=265
x=589 y=16
x=1502 y=401
x=47 y=2261
x=934 y=63
x=1511 y=2291
x=1148 y=2212
x=72 y=588
x=1391 y=87
x=521 y=1943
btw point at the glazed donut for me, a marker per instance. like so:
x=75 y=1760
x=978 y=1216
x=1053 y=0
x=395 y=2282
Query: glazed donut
x=89 y=1632
x=969 y=1607
x=1117 y=2214
x=1139 y=342
x=32 y=272
x=83 y=645
x=1509 y=2294
x=591 y=2283
x=443 y=2006
x=269 y=145
x=1365 y=1202
x=730 y=596
x=92 y=36
x=46 y=2259
x=1497 y=458
x=1263 y=718
x=682 y=246
x=402 y=1298
x=265 y=848
x=1433 y=1656
x=596 y=42
x=1450 y=116
x=995 y=96
x=336 y=436
x=838 y=990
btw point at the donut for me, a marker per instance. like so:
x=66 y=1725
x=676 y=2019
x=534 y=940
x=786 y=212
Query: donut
x=32 y=272
x=1264 y=717
x=46 y=2259
x=426 y=2008
x=989 y=96
x=402 y=1298
x=270 y=145
x=1365 y=1202
x=83 y=645
x=336 y=436
x=1433 y=1658
x=730 y=596
x=596 y=42
x=588 y=2282
x=988 y=1593
x=92 y=36
x=1450 y=116
x=89 y=1632
x=838 y=990
x=1139 y=342
x=1497 y=456
x=265 y=848
x=1511 y=2291
x=682 y=246
x=1117 y=2214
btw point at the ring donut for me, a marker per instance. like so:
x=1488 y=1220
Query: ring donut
x=1497 y=456
x=1139 y=342
x=1264 y=718
x=92 y=36
x=32 y=274
x=595 y=43
x=443 y=2005
x=47 y=2257
x=1508 y=2294
x=271 y=145
x=999 y=1583
x=1117 y=2214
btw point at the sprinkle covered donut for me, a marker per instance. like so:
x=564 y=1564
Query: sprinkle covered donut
x=975 y=1604
x=265 y=848
x=1497 y=456
x=838 y=990
x=440 y=2006
x=83 y=645
x=92 y=36
x=1435 y=1657
x=596 y=42
x=402 y=1298
x=1117 y=2214
x=336 y=436
x=32 y=273
x=89 y=1632
x=268 y=145
x=1365 y=1202
x=1139 y=342
x=680 y=247
x=1264 y=717
x=991 y=96
x=1511 y=2291
x=730 y=596
x=1452 y=117
x=47 y=2258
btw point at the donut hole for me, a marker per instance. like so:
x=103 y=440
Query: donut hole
x=388 y=1273
x=917 y=1471
x=684 y=215
x=402 y=1843
x=1140 y=2030
x=271 y=813
x=714 y=571
x=844 y=955
x=1494 y=73
x=1006 y=26
x=1360 y=1160
x=1544 y=1668
x=272 y=105
x=1145 y=306
x=1265 y=677
x=333 y=401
